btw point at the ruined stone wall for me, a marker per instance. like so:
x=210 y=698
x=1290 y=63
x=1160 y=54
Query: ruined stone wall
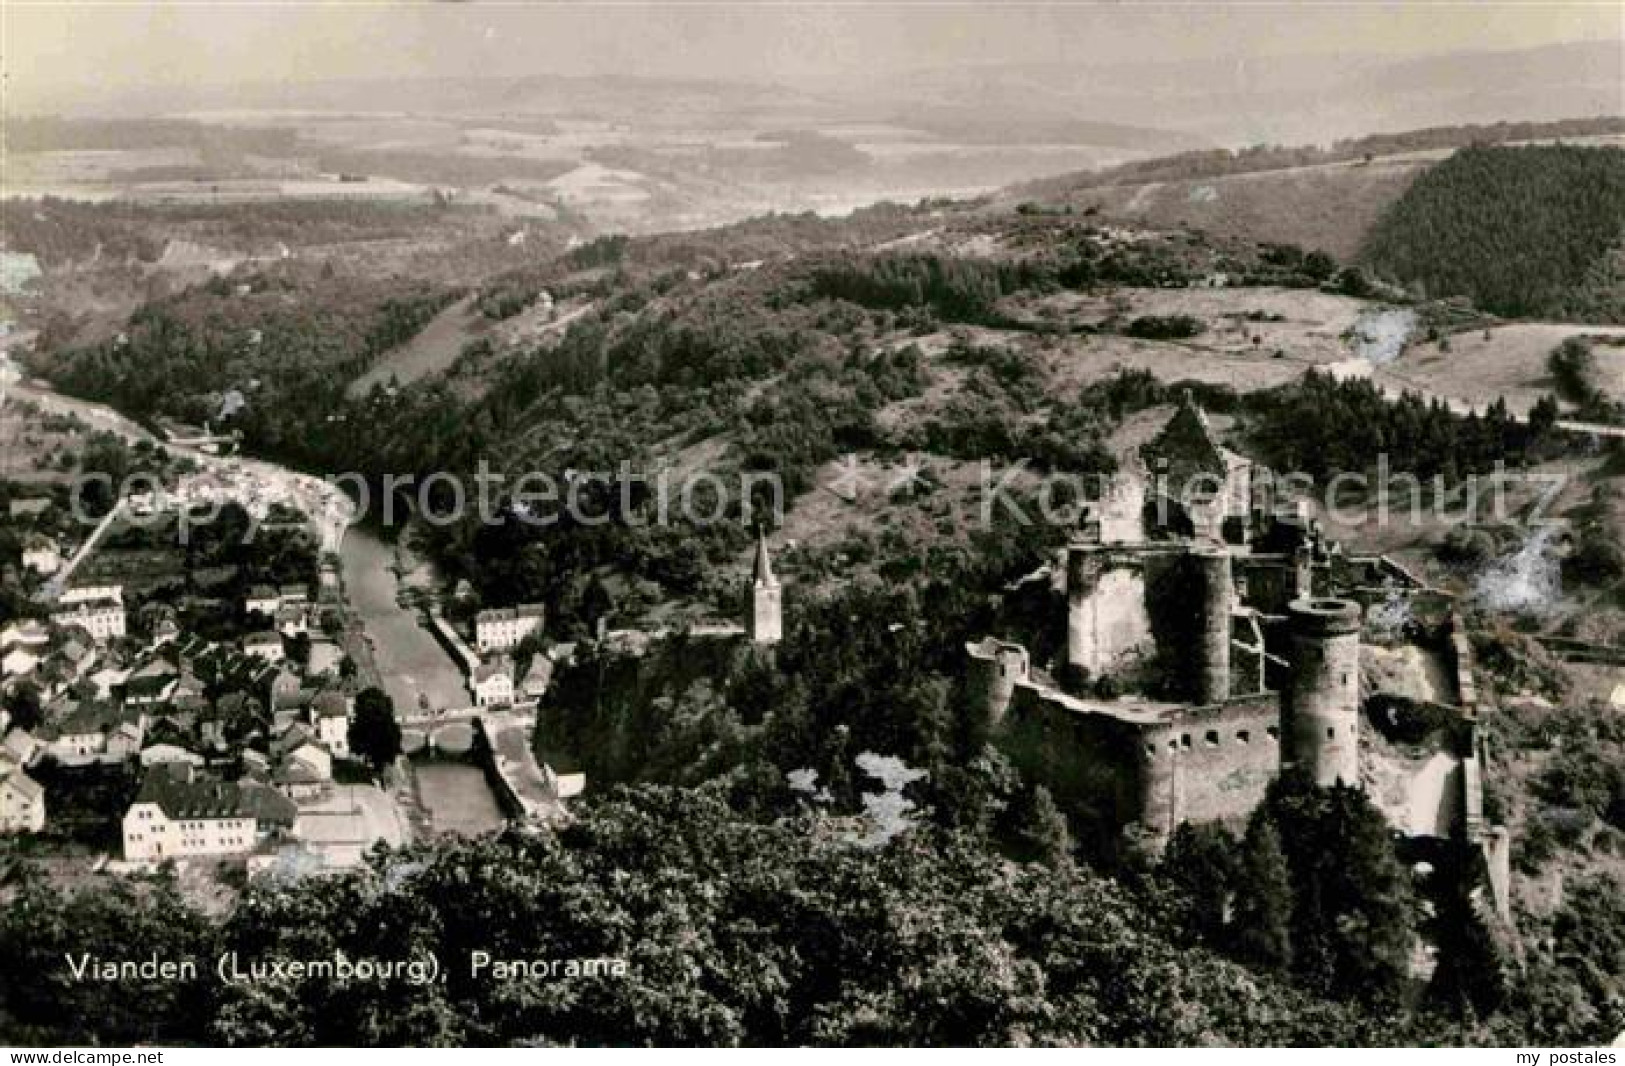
x=1093 y=764
x=1156 y=615
x=1110 y=773
x=1212 y=763
x=1270 y=581
x=1108 y=626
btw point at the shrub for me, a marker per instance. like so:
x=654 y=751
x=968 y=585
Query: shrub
x=1165 y=327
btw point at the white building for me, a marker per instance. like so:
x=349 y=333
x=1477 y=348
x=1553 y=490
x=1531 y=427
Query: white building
x=330 y=718
x=91 y=594
x=29 y=631
x=99 y=611
x=180 y=813
x=93 y=732
x=167 y=753
x=41 y=555
x=18 y=660
x=493 y=683
x=19 y=748
x=266 y=645
x=22 y=801
x=293 y=619
x=262 y=599
x=501 y=629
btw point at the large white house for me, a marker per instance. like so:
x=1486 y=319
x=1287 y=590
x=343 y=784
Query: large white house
x=181 y=813
x=501 y=629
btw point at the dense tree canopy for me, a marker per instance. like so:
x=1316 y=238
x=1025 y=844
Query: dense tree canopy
x=1517 y=229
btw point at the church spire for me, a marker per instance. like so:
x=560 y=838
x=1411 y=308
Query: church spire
x=762 y=571
x=764 y=622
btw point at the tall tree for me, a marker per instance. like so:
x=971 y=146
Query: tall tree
x=1200 y=867
x=1043 y=833
x=1352 y=907
x=375 y=735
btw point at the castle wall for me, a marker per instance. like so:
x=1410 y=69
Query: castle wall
x=1111 y=772
x=1321 y=704
x=1093 y=764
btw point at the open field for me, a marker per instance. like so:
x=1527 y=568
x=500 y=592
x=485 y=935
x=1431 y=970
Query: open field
x=1508 y=361
x=1245 y=352
x=1327 y=207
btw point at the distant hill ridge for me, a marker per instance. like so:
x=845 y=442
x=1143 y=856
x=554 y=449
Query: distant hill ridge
x=1223 y=162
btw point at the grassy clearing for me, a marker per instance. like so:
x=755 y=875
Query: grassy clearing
x=1506 y=361
x=432 y=351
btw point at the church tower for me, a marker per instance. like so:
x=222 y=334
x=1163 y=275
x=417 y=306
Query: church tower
x=765 y=623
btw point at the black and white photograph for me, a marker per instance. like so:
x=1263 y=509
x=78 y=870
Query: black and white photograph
x=812 y=524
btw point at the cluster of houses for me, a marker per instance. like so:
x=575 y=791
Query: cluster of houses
x=290 y=613
x=270 y=496
x=498 y=631
x=232 y=739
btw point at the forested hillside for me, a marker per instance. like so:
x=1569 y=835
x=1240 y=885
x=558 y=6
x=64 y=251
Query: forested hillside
x=789 y=932
x=1529 y=231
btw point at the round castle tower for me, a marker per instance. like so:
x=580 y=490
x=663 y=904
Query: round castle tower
x=996 y=668
x=1320 y=709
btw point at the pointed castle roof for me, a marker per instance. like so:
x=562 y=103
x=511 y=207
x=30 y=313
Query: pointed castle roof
x=1187 y=441
x=762 y=571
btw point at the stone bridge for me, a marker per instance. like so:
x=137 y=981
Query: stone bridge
x=500 y=738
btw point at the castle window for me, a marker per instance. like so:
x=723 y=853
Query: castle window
x=1212 y=738
x=1173 y=745
x=1242 y=737
x=1185 y=740
x=1330 y=732
x=1275 y=734
x=1150 y=749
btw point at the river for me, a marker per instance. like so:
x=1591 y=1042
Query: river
x=457 y=798
x=411 y=661
x=455 y=795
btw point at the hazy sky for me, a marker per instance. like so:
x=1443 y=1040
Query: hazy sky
x=65 y=49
